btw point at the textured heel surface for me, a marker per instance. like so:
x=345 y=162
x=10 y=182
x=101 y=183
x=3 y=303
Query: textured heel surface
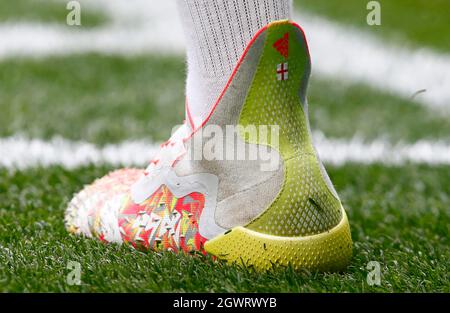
x=305 y=205
x=328 y=251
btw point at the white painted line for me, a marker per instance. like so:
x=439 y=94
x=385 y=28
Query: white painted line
x=20 y=153
x=341 y=151
x=137 y=27
x=38 y=40
x=142 y=26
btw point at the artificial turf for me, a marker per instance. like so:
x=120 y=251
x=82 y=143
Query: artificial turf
x=48 y=11
x=399 y=217
x=411 y=23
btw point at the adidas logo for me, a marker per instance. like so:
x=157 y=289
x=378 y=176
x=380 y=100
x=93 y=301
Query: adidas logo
x=282 y=45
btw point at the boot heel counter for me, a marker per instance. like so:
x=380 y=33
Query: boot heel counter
x=305 y=225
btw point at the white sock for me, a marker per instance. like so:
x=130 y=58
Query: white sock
x=217 y=32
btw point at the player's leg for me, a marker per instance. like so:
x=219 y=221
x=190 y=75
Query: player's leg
x=217 y=33
x=238 y=210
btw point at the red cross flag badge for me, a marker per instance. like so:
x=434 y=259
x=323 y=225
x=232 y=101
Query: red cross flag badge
x=282 y=71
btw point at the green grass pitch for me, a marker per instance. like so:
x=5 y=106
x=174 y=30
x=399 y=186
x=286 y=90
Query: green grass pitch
x=399 y=215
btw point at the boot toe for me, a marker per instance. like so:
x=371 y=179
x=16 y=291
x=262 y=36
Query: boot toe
x=103 y=197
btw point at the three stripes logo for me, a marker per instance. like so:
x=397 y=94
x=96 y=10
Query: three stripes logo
x=282 y=45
